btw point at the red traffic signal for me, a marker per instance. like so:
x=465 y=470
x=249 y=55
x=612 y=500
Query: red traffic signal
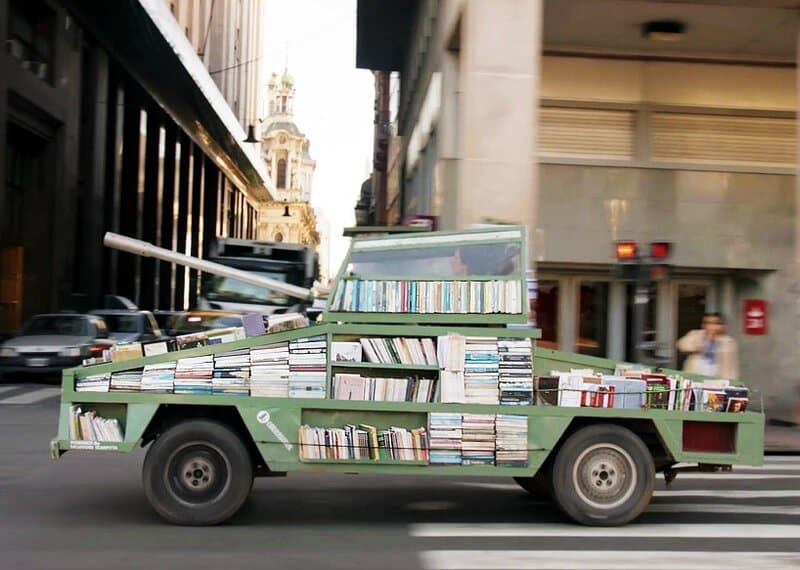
x=660 y=249
x=626 y=251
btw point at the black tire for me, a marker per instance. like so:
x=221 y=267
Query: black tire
x=197 y=473
x=603 y=475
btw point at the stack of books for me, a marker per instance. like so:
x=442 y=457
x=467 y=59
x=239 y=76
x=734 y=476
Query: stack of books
x=158 y=378
x=194 y=375
x=512 y=440
x=478 y=439
x=269 y=371
x=516 y=371
x=481 y=370
x=445 y=438
x=231 y=373
x=436 y=297
x=307 y=367
x=94 y=383
x=88 y=426
x=357 y=387
x=128 y=381
x=450 y=354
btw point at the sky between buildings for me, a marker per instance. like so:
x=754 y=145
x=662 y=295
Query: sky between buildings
x=334 y=101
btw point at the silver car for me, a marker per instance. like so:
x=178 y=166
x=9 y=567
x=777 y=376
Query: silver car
x=48 y=344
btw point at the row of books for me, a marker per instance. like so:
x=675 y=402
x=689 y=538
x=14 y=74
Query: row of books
x=399 y=350
x=363 y=442
x=88 y=426
x=293 y=369
x=638 y=390
x=432 y=297
x=479 y=439
x=357 y=387
x=253 y=325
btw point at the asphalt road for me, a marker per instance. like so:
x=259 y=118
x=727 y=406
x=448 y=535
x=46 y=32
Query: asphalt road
x=88 y=511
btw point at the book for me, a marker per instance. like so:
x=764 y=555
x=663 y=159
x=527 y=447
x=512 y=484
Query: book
x=88 y=426
x=629 y=393
x=253 y=324
x=511 y=443
x=126 y=351
x=346 y=351
x=714 y=401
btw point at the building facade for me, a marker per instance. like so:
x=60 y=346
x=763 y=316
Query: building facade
x=289 y=216
x=591 y=130
x=228 y=39
x=111 y=122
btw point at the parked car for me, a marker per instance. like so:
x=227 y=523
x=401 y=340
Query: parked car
x=199 y=321
x=131 y=326
x=47 y=344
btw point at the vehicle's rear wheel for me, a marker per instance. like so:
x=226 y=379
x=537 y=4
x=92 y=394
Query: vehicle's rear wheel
x=603 y=475
x=197 y=473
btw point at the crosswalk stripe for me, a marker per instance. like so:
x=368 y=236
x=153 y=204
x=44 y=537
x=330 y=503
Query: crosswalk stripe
x=727 y=494
x=733 y=476
x=717 y=509
x=459 y=530
x=32 y=397
x=4 y=389
x=603 y=560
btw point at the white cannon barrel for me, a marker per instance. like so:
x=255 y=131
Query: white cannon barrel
x=139 y=247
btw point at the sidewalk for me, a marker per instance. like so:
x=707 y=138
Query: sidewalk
x=781 y=437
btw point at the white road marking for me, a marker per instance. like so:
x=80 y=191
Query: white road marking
x=735 y=531
x=604 y=560
x=733 y=476
x=9 y=388
x=729 y=494
x=32 y=397
x=721 y=509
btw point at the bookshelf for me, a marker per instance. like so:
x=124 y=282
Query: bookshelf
x=384 y=366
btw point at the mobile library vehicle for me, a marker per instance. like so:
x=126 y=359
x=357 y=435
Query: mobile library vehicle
x=423 y=366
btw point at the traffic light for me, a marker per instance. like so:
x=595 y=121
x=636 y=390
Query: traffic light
x=633 y=267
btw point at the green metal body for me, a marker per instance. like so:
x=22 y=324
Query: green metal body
x=275 y=436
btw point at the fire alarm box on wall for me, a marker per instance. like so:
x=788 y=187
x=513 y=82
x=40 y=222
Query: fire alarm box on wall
x=755 y=317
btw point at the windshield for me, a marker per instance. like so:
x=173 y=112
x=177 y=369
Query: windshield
x=56 y=324
x=122 y=323
x=220 y=288
x=197 y=323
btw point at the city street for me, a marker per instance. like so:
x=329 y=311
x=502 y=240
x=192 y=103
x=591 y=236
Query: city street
x=89 y=512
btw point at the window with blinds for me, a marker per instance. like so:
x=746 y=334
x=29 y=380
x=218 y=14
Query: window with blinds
x=723 y=139
x=567 y=132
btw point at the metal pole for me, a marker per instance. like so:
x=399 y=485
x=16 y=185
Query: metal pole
x=641 y=298
x=138 y=247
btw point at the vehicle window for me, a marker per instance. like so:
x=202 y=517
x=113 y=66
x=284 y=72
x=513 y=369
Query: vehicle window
x=226 y=289
x=490 y=259
x=149 y=324
x=195 y=323
x=122 y=323
x=57 y=325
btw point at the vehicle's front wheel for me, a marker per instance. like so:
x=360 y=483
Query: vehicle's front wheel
x=603 y=475
x=197 y=473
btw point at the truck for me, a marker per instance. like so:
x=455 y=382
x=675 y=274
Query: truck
x=422 y=365
x=295 y=264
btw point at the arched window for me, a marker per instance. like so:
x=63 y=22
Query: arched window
x=281 y=182
x=279 y=237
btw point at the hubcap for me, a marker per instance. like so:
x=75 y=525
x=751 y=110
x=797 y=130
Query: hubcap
x=197 y=474
x=604 y=476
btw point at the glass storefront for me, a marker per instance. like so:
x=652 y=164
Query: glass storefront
x=593 y=318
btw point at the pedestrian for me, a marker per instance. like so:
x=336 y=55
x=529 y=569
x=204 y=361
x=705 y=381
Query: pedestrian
x=711 y=351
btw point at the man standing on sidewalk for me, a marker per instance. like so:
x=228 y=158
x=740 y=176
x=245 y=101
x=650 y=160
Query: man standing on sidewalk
x=711 y=351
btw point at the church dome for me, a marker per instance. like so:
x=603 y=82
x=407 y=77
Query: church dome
x=286 y=79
